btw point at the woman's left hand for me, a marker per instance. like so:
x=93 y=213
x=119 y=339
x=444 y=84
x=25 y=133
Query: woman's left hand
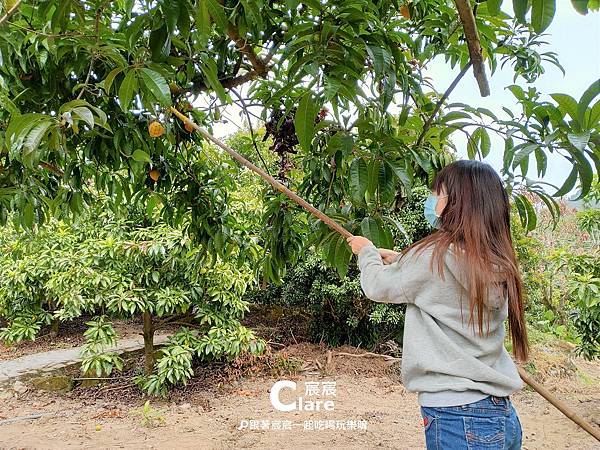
x=357 y=243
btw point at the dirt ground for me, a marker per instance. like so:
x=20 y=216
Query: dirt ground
x=369 y=402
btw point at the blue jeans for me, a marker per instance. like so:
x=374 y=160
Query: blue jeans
x=491 y=424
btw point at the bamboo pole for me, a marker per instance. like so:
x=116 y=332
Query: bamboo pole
x=561 y=406
x=10 y=12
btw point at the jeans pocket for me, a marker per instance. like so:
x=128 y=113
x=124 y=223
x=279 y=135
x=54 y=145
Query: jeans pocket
x=518 y=429
x=429 y=428
x=485 y=432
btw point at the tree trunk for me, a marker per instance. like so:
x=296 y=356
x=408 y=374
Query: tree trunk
x=148 y=342
x=55 y=323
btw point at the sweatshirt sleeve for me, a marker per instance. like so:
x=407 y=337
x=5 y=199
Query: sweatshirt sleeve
x=398 y=282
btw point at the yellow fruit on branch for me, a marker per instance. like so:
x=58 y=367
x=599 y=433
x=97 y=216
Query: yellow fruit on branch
x=154 y=174
x=405 y=12
x=155 y=129
x=9 y=4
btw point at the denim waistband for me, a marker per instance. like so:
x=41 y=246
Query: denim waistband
x=490 y=401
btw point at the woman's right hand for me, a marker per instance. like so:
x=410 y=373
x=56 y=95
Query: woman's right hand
x=388 y=256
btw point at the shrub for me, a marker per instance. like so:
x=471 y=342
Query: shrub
x=111 y=267
x=339 y=312
x=411 y=219
x=562 y=285
x=589 y=221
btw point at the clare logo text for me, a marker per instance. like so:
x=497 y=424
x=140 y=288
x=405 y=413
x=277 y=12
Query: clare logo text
x=301 y=402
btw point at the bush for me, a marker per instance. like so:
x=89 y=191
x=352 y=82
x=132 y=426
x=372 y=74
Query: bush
x=411 y=219
x=589 y=221
x=339 y=312
x=109 y=267
x=562 y=284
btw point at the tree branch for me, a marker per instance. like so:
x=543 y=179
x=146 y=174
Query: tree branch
x=228 y=83
x=51 y=168
x=473 y=43
x=440 y=103
x=245 y=109
x=93 y=54
x=259 y=65
x=10 y=12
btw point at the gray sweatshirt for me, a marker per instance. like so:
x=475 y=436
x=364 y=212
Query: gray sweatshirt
x=443 y=359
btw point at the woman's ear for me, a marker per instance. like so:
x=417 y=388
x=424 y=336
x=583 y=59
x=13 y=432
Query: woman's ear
x=442 y=201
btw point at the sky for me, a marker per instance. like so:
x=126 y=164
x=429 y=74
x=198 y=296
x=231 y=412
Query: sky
x=573 y=37
x=576 y=40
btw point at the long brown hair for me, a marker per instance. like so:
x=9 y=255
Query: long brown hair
x=476 y=220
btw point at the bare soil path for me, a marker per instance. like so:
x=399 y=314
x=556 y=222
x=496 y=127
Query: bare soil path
x=214 y=415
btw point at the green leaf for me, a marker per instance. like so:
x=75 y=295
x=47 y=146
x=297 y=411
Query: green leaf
x=157 y=85
x=494 y=7
x=209 y=68
x=472 y=146
x=592 y=116
x=585 y=171
x=566 y=105
x=171 y=13
x=371 y=230
x=386 y=185
x=85 y=114
x=160 y=44
x=542 y=161
x=27 y=215
x=551 y=204
x=517 y=91
x=359 y=180
x=304 y=120
x=108 y=81
x=542 y=13
x=127 y=89
x=520 y=8
x=216 y=11
x=568 y=184
x=401 y=173
x=526 y=212
x=141 y=156
x=455 y=115
x=203 y=23
x=579 y=140
x=586 y=99
x=36 y=135
x=581 y=6
x=342 y=256
x=152 y=201
x=380 y=57
x=485 y=142
x=19 y=127
x=523 y=153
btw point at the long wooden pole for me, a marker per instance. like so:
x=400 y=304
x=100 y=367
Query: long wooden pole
x=10 y=12
x=562 y=407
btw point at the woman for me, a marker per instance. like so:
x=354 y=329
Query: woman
x=460 y=284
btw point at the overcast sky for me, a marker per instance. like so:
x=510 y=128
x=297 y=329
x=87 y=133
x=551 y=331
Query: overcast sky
x=576 y=40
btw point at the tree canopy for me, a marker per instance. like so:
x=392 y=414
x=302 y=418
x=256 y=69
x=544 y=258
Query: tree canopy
x=354 y=122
